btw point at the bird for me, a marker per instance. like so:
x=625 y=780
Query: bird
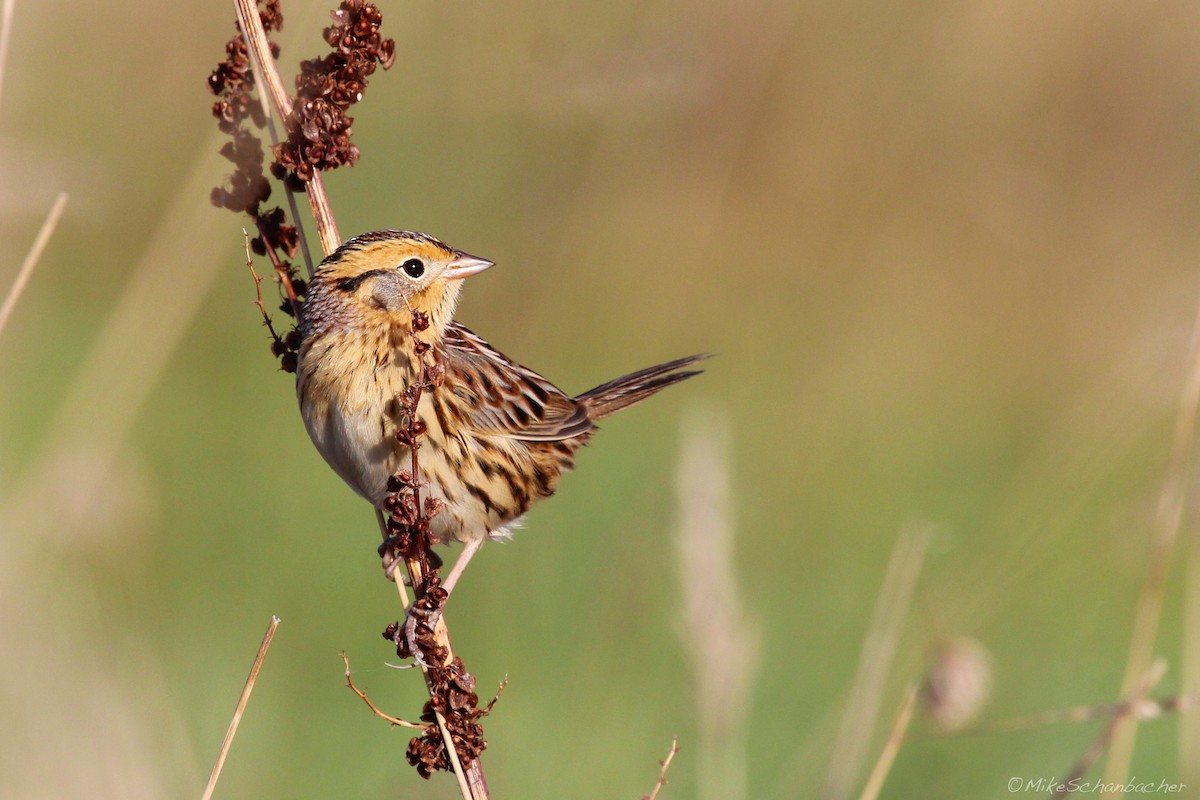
x=498 y=436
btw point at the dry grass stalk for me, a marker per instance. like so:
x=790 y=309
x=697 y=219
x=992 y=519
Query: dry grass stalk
x=32 y=259
x=241 y=708
x=1139 y=709
x=472 y=786
x=875 y=659
x=1189 y=724
x=665 y=764
x=1102 y=742
x=268 y=75
x=1168 y=515
x=891 y=747
x=713 y=619
x=99 y=422
x=261 y=58
x=6 y=21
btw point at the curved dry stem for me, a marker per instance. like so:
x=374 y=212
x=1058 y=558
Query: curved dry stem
x=397 y=721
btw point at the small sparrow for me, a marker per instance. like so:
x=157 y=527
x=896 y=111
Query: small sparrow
x=498 y=435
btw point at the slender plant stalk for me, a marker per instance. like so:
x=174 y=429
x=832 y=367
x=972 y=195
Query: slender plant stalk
x=664 y=765
x=879 y=647
x=891 y=747
x=267 y=75
x=1143 y=708
x=1189 y=726
x=714 y=618
x=32 y=259
x=240 y=709
x=6 y=18
x=416 y=575
x=1130 y=700
x=99 y=422
x=1168 y=515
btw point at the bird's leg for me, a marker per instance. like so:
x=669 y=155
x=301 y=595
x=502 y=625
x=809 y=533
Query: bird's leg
x=469 y=550
x=417 y=614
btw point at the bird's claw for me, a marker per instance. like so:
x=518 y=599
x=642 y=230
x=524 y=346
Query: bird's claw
x=415 y=619
x=389 y=559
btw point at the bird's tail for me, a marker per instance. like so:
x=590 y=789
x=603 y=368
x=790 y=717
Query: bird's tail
x=608 y=398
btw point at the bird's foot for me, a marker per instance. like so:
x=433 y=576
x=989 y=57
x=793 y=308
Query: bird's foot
x=416 y=637
x=390 y=558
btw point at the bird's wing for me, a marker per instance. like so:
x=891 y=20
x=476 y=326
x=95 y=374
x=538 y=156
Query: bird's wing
x=502 y=397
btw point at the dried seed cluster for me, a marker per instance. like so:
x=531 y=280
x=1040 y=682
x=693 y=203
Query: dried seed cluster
x=452 y=688
x=248 y=188
x=318 y=135
x=232 y=82
x=319 y=128
x=407 y=517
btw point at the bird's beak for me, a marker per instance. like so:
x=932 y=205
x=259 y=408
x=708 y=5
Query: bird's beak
x=465 y=265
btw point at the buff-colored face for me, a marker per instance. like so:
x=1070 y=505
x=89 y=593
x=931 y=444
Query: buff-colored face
x=398 y=271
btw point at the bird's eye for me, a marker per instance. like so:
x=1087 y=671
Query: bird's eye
x=413 y=268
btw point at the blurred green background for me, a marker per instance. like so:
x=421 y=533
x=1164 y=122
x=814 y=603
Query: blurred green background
x=947 y=254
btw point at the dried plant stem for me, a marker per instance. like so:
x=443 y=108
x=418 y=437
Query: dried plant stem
x=258 y=296
x=1141 y=688
x=443 y=639
x=318 y=199
x=267 y=77
x=1167 y=519
x=1142 y=708
x=714 y=617
x=6 y=18
x=891 y=747
x=241 y=708
x=879 y=647
x=471 y=783
x=32 y=259
x=98 y=422
x=1189 y=679
x=403 y=723
x=1189 y=725
x=665 y=764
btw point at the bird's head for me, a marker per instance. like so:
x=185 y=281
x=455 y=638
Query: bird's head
x=391 y=273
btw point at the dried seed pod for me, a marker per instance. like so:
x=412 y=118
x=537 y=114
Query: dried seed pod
x=957 y=684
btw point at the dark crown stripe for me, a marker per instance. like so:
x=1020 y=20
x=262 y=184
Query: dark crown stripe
x=359 y=242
